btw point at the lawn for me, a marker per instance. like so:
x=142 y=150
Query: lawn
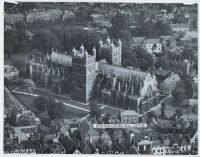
x=70 y=112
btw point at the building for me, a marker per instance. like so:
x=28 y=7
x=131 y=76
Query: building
x=84 y=74
x=110 y=52
x=68 y=15
x=37 y=16
x=12 y=19
x=160 y=148
x=194 y=143
x=88 y=133
x=129 y=117
x=97 y=18
x=189 y=35
x=25 y=141
x=54 y=14
x=152 y=45
x=180 y=27
x=144 y=146
x=79 y=73
x=11 y=73
x=170 y=83
x=167 y=42
x=27 y=118
x=137 y=41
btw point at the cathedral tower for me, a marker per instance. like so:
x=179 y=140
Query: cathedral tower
x=112 y=53
x=83 y=74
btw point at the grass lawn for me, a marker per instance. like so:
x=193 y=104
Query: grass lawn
x=70 y=112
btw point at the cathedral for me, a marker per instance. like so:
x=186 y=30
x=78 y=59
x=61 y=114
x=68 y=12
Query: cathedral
x=79 y=75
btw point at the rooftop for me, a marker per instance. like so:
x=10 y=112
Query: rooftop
x=129 y=112
x=151 y=41
x=61 y=59
x=120 y=72
x=177 y=25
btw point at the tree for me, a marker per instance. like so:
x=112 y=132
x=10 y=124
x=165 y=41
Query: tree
x=163 y=62
x=56 y=111
x=44 y=40
x=187 y=84
x=162 y=110
x=178 y=95
x=40 y=103
x=119 y=22
x=94 y=110
x=29 y=85
x=153 y=30
x=145 y=59
x=12 y=119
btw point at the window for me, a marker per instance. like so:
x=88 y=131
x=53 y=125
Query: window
x=158 y=150
x=161 y=150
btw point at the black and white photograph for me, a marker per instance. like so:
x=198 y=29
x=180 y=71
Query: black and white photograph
x=100 y=78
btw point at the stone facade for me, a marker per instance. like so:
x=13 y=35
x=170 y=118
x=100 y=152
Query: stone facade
x=112 y=53
x=79 y=75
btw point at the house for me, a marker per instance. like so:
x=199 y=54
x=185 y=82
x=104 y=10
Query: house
x=10 y=72
x=152 y=45
x=194 y=143
x=178 y=143
x=195 y=87
x=29 y=34
x=68 y=144
x=24 y=135
x=88 y=133
x=189 y=35
x=164 y=125
x=54 y=14
x=11 y=148
x=167 y=42
x=97 y=17
x=37 y=16
x=55 y=126
x=77 y=152
x=68 y=15
x=129 y=117
x=137 y=41
x=193 y=105
x=13 y=18
x=170 y=83
x=190 y=117
x=50 y=138
x=144 y=146
x=27 y=118
x=179 y=27
x=160 y=148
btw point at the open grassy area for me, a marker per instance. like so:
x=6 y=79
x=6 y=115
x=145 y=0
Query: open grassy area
x=70 y=112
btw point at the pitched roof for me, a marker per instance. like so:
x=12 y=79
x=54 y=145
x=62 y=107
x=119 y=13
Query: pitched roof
x=86 y=129
x=61 y=59
x=14 y=16
x=120 y=72
x=138 y=39
x=172 y=78
x=157 y=143
x=162 y=123
x=53 y=10
x=177 y=25
x=151 y=41
x=191 y=34
x=129 y=112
